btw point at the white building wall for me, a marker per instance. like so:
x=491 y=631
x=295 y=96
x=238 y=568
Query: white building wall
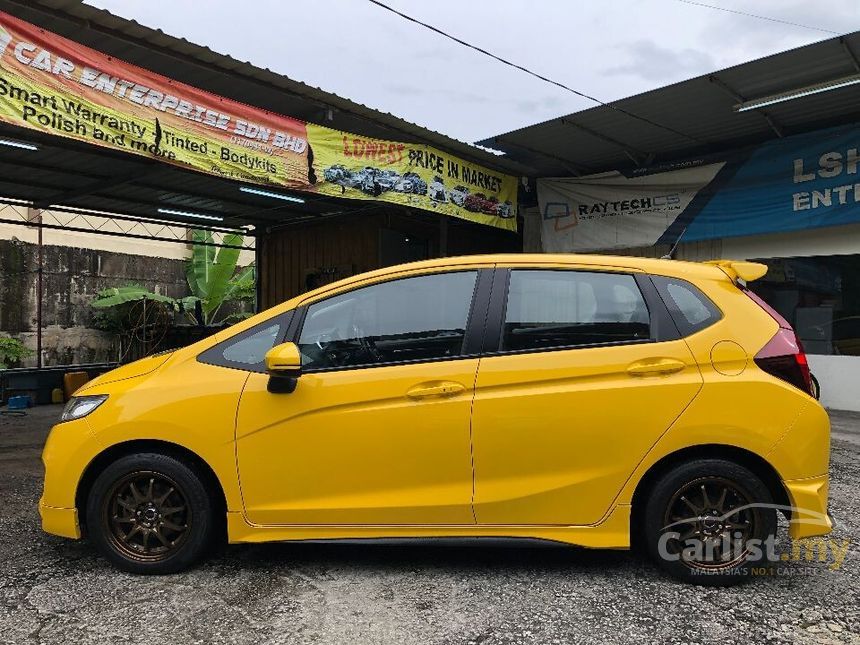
x=839 y=376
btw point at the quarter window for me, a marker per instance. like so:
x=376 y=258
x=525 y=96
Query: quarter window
x=549 y=309
x=247 y=351
x=412 y=319
x=690 y=308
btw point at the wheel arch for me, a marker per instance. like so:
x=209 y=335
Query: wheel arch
x=757 y=464
x=111 y=454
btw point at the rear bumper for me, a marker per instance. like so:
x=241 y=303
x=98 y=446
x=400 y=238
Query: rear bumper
x=60 y=521
x=808 y=498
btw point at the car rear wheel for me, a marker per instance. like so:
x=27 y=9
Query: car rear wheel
x=711 y=522
x=150 y=513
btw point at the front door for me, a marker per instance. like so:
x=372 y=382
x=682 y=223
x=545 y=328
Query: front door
x=573 y=397
x=377 y=429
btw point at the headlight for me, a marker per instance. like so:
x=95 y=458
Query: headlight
x=80 y=406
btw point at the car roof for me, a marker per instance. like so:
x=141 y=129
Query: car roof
x=673 y=268
x=677 y=268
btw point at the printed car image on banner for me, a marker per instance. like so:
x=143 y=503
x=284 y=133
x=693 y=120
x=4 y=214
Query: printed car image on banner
x=54 y=85
x=415 y=175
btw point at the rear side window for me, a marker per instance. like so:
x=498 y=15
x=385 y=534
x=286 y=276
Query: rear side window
x=691 y=310
x=554 y=309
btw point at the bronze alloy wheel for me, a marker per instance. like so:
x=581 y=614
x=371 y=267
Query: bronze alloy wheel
x=146 y=516
x=715 y=519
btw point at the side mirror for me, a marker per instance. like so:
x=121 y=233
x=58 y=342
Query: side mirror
x=284 y=365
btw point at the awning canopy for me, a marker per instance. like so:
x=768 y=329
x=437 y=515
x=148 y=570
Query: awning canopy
x=63 y=173
x=699 y=115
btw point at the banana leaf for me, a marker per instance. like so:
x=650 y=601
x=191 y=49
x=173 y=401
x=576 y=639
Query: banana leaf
x=242 y=284
x=220 y=273
x=119 y=295
x=199 y=266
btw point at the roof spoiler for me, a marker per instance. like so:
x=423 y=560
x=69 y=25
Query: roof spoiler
x=740 y=270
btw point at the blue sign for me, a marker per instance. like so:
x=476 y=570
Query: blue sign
x=800 y=182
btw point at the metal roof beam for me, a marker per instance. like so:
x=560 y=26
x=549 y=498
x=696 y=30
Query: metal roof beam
x=20 y=163
x=135 y=236
x=99 y=193
x=741 y=99
x=94 y=187
x=101 y=181
x=235 y=204
x=854 y=61
x=636 y=156
x=573 y=167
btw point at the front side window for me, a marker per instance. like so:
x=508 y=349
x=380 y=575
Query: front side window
x=412 y=319
x=549 y=309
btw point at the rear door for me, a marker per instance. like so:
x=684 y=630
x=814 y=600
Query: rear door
x=582 y=372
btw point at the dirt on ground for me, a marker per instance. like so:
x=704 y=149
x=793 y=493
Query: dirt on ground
x=60 y=591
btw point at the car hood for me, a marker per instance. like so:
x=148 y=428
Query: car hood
x=132 y=370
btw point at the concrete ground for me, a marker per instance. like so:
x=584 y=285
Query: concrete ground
x=58 y=591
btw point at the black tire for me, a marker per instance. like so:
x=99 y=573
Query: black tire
x=701 y=520
x=150 y=513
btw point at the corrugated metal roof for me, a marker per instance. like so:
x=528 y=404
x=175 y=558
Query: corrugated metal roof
x=701 y=110
x=81 y=175
x=223 y=75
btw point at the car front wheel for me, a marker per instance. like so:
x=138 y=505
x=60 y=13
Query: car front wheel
x=150 y=513
x=711 y=522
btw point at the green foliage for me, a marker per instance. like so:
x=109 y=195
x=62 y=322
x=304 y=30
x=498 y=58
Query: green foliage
x=212 y=278
x=120 y=295
x=12 y=351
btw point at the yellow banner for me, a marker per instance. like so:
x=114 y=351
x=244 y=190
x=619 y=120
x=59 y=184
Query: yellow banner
x=348 y=165
x=54 y=85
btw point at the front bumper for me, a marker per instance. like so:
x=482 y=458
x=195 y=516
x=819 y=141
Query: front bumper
x=60 y=521
x=808 y=498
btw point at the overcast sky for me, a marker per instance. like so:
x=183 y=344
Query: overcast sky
x=607 y=48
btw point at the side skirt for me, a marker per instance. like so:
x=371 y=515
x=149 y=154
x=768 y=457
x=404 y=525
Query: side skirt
x=612 y=533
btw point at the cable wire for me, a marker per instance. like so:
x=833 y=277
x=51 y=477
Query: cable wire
x=535 y=74
x=753 y=15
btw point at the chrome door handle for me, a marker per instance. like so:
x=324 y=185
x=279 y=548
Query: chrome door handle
x=655 y=367
x=446 y=388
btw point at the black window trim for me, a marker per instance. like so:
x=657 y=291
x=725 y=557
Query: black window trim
x=661 y=326
x=484 y=324
x=472 y=338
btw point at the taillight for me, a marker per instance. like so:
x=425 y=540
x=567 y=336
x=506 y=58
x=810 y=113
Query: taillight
x=783 y=356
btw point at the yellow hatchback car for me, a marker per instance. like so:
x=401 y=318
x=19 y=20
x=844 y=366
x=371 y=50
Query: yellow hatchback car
x=596 y=401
